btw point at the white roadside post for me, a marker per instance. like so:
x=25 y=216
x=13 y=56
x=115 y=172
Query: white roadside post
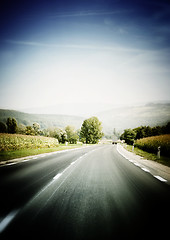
x=159 y=152
x=133 y=147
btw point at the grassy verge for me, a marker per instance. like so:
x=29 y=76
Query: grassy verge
x=17 y=146
x=8 y=155
x=150 y=156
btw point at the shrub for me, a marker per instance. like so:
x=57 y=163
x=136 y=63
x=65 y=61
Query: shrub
x=151 y=144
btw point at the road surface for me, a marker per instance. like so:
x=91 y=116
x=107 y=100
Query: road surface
x=90 y=193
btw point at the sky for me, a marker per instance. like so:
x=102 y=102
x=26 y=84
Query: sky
x=108 y=52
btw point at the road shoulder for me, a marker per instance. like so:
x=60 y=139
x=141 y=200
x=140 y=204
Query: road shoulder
x=159 y=171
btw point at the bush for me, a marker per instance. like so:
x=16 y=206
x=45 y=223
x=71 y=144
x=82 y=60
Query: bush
x=151 y=144
x=129 y=136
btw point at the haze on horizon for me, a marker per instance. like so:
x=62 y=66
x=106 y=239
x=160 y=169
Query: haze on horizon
x=87 y=52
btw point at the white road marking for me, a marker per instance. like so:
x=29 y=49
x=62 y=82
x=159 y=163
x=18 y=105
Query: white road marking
x=8 y=164
x=137 y=164
x=145 y=169
x=4 y=223
x=57 y=176
x=160 y=178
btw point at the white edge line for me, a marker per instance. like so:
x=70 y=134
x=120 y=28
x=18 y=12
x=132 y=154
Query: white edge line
x=160 y=178
x=136 y=164
x=8 y=164
x=145 y=169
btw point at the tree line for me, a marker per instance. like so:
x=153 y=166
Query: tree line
x=130 y=135
x=90 y=132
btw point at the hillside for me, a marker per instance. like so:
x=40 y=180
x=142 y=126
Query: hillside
x=131 y=117
x=45 y=120
x=118 y=118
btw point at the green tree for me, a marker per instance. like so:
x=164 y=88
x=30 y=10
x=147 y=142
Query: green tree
x=72 y=137
x=29 y=130
x=60 y=135
x=167 y=128
x=21 y=129
x=129 y=136
x=3 y=128
x=140 y=132
x=11 y=125
x=91 y=130
x=36 y=127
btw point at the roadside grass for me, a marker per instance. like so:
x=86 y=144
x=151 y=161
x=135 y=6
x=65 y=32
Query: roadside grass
x=9 y=155
x=14 y=146
x=150 y=156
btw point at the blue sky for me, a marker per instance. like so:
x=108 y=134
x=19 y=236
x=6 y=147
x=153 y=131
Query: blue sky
x=98 y=51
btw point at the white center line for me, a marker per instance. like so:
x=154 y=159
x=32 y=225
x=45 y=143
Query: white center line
x=4 y=223
x=57 y=176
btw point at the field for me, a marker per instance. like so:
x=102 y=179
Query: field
x=151 y=144
x=12 y=142
x=17 y=146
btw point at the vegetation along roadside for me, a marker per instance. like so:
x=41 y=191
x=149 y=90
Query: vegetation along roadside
x=32 y=141
x=16 y=146
x=152 y=143
x=148 y=148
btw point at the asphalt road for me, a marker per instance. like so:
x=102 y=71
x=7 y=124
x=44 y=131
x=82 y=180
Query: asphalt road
x=90 y=193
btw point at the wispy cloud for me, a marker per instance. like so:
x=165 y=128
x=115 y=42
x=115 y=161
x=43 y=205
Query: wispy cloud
x=75 y=46
x=89 y=13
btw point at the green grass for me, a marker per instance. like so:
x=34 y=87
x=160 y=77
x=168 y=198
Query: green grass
x=150 y=156
x=9 y=155
x=17 y=146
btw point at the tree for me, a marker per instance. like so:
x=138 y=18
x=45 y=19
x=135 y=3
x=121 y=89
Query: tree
x=129 y=136
x=29 y=130
x=91 y=130
x=140 y=132
x=167 y=128
x=3 y=128
x=72 y=137
x=60 y=135
x=36 y=127
x=21 y=129
x=11 y=125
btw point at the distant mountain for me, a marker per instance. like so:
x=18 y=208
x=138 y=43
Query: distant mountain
x=83 y=109
x=117 y=118
x=131 y=117
x=45 y=120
